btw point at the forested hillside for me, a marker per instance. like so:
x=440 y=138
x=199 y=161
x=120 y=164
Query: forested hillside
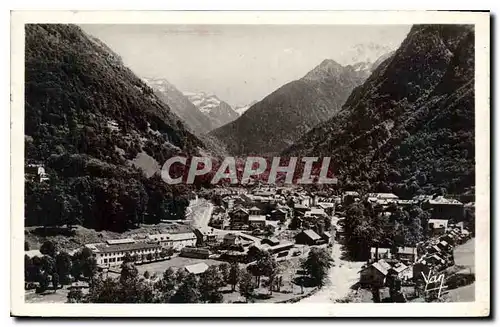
x=410 y=127
x=87 y=118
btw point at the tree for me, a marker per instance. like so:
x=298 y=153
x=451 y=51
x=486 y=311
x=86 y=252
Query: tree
x=63 y=267
x=225 y=269
x=317 y=265
x=188 y=291
x=48 y=265
x=149 y=257
x=210 y=282
x=49 y=248
x=234 y=275
x=269 y=230
x=128 y=258
x=146 y=274
x=246 y=285
x=265 y=266
x=129 y=271
x=75 y=295
x=180 y=275
x=166 y=286
x=55 y=281
x=88 y=263
x=43 y=283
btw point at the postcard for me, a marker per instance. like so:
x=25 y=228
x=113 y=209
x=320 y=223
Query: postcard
x=256 y=164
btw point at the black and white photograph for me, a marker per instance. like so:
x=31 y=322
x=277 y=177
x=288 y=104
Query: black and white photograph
x=260 y=162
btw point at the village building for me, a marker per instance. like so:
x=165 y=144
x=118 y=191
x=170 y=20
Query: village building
x=175 y=241
x=443 y=208
x=206 y=236
x=449 y=238
x=316 y=213
x=383 y=196
x=405 y=203
x=444 y=246
x=436 y=260
x=228 y=202
x=279 y=214
x=231 y=239
x=286 y=246
x=308 y=237
x=196 y=269
x=327 y=237
x=407 y=254
x=327 y=207
x=381 y=253
x=350 y=196
x=254 y=211
x=257 y=221
x=239 y=218
x=300 y=209
x=434 y=249
x=374 y=274
x=402 y=271
x=437 y=226
x=112 y=252
x=272 y=241
x=195 y=252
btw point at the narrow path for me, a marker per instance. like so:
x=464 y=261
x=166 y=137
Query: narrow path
x=340 y=279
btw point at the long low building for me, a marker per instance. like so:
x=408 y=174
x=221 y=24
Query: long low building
x=175 y=241
x=112 y=252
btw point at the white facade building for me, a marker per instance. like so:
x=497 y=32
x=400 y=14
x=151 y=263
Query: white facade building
x=176 y=241
x=112 y=252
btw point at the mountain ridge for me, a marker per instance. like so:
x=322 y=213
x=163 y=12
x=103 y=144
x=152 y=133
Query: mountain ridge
x=275 y=122
x=393 y=131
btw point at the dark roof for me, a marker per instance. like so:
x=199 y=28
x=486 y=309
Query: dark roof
x=271 y=240
x=311 y=234
x=103 y=248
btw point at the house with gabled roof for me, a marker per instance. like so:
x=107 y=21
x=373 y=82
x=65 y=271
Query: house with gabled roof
x=374 y=274
x=308 y=237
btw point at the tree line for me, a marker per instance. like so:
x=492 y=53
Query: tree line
x=58 y=267
x=367 y=225
x=179 y=286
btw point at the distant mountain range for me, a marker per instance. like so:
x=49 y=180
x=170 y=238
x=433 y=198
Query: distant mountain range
x=196 y=120
x=410 y=125
x=366 y=53
x=218 y=111
x=276 y=122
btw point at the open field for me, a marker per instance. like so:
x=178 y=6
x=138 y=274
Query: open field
x=175 y=262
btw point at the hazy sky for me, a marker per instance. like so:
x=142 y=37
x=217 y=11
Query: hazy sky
x=240 y=63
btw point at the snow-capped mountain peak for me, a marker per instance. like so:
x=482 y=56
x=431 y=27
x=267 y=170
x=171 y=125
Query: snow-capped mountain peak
x=241 y=109
x=217 y=110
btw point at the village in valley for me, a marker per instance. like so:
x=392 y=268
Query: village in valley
x=271 y=244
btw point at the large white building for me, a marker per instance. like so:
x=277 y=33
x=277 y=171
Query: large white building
x=112 y=252
x=176 y=241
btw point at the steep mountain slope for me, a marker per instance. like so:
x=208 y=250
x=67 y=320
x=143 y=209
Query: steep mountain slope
x=277 y=121
x=197 y=121
x=90 y=121
x=218 y=111
x=410 y=126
